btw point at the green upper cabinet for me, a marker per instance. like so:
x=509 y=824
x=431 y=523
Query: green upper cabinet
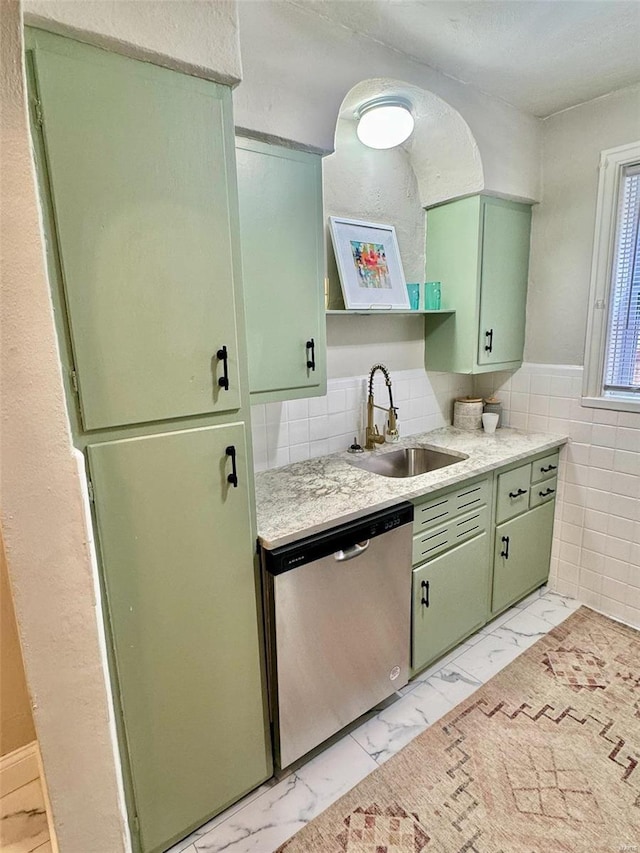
x=142 y=221
x=478 y=248
x=282 y=240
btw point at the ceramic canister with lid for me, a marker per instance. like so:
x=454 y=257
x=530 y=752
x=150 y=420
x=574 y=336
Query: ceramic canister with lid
x=467 y=413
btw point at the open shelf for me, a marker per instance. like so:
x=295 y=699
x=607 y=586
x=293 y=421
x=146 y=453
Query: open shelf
x=386 y=312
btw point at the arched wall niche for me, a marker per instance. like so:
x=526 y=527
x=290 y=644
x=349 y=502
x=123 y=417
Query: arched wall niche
x=439 y=161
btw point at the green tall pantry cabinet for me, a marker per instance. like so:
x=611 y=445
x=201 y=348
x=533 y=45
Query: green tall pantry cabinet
x=137 y=176
x=478 y=248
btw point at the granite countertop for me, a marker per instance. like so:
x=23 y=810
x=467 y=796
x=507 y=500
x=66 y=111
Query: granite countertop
x=317 y=494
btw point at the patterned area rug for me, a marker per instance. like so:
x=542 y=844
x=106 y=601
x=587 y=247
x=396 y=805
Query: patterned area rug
x=541 y=759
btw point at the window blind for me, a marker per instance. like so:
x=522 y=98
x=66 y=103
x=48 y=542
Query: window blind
x=622 y=356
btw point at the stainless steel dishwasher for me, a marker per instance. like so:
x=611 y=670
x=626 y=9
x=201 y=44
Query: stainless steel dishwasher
x=338 y=614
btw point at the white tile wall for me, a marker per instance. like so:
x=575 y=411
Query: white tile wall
x=303 y=429
x=596 y=549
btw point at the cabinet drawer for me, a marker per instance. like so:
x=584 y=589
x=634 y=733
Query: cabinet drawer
x=513 y=493
x=435 y=540
x=436 y=510
x=542 y=469
x=544 y=491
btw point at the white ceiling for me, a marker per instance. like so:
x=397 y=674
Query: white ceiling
x=539 y=55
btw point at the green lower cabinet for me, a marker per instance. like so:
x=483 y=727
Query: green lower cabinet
x=176 y=550
x=450 y=599
x=522 y=555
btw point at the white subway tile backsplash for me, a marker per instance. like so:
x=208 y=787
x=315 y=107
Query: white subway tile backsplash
x=337 y=401
x=297 y=409
x=299 y=432
x=596 y=550
x=603 y=435
x=320 y=425
x=317 y=406
x=628 y=439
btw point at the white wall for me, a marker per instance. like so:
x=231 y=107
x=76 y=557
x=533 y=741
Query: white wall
x=562 y=233
x=199 y=36
x=46 y=538
x=298 y=67
x=597 y=536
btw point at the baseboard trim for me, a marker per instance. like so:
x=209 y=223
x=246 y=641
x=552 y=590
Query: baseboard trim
x=18 y=768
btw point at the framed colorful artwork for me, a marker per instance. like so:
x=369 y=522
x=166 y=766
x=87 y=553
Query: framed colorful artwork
x=369 y=264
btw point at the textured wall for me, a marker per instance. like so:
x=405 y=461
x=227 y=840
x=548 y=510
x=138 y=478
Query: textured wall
x=43 y=519
x=298 y=68
x=198 y=37
x=563 y=225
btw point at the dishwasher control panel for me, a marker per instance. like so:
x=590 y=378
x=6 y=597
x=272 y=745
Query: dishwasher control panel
x=340 y=538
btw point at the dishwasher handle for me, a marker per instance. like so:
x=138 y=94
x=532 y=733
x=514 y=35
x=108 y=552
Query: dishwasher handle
x=350 y=553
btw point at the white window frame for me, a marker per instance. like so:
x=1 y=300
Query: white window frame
x=612 y=163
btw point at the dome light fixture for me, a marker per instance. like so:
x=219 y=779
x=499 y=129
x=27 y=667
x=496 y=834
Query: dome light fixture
x=384 y=122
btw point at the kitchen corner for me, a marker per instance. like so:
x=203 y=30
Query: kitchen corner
x=313 y=495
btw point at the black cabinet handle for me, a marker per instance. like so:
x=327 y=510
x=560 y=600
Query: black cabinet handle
x=232 y=478
x=505 y=551
x=548 y=468
x=489 y=347
x=518 y=493
x=223 y=356
x=425 y=595
x=311 y=360
x=547 y=493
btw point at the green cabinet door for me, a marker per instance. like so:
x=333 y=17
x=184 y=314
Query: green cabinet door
x=450 y=599
x=522 y=555
x=281 y=232
x=140 y=168
x=178 y=562
x=503 y=289
x=478 y=248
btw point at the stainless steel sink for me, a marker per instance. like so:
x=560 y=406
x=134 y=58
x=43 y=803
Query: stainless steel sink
x=408 y=462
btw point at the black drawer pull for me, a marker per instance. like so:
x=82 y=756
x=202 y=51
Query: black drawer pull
x=223 y=356
x=232 y=478
x=547 y=493
x=548 y=468
x=425 y=595
x=489 y=347
x=311 y=360
x=518 y=494
x=505 y=551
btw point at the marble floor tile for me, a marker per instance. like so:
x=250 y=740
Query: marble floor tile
x=490 y=627
x=483 y=660
x=184 y=846
x=523 y=630
x=445 y=660
x=454 y=683
x=553 y=608
x=533 y=596
x=386 y=733
x=278 y=813
x=23 y=819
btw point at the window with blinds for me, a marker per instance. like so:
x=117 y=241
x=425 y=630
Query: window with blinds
x=622 y=354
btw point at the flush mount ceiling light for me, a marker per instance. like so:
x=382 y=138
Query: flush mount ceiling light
x=384 y=122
